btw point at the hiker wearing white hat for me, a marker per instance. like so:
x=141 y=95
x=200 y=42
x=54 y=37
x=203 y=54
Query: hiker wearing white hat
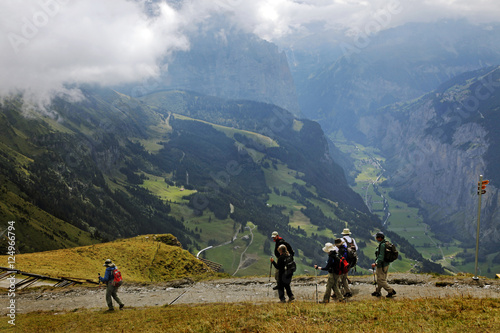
x=332 y=267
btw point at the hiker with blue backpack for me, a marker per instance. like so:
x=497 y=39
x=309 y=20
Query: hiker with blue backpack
x=336 y=266
x=112 y=279
x=381 y=265
x=285 y=266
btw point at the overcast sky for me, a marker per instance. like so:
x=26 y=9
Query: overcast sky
x=46 y=44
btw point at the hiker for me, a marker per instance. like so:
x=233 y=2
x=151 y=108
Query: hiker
x=332 y=267
x=111 y=289
x=352 y=248
x=280 y=241
x=284 y=277
x=350 y=242
x=382 y=267
x=342 y=252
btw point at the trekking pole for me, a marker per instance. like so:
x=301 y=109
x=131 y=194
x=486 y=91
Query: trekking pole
x=99 y=278
x=269 y=282
x=316 y=280
x=374 y=281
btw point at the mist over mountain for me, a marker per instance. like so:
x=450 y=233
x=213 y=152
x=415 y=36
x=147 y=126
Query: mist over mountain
x=397 y=64
x=234 y=65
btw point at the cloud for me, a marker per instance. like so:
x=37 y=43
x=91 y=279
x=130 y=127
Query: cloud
x=274 y=19
x=48 y=44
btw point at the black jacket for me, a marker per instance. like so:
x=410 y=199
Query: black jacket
x=283 y=275
x=333 y=263
x=279 y=242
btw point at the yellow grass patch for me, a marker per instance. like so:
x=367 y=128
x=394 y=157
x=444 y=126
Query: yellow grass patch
x=141 y=259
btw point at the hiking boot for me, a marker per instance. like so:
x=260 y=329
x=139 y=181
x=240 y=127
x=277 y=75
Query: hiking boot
x=110 y=310
x=275 y=288
x=291 y=299
x=392 y=293
x=376 y=294
x=121 y=306
x=282 y=301
x=325 y=301
x=348 y=294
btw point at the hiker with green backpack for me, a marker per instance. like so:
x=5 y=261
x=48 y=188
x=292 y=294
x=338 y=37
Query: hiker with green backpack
x=382 y=262
x=113 y=280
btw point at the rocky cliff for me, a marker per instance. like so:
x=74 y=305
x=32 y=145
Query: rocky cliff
x=438 y=146
x=234 y=65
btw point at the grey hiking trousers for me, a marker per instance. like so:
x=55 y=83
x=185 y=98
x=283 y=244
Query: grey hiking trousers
x=111 y=292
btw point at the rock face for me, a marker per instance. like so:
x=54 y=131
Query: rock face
x=395 y=65
x=438 y=146
x=233 y=65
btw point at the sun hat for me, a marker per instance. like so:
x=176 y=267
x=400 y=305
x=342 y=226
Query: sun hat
x=346 y=232
x=274 y=234
x=328 y=248
x=380 y=234
x=108 y=263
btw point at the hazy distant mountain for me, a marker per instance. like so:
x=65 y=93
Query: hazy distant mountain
x=398 y=64
x=225 y=62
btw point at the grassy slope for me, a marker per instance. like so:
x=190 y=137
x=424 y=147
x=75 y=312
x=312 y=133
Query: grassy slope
x=214 y=231
x=422 y=315
x=141 y=259
x=36 y=229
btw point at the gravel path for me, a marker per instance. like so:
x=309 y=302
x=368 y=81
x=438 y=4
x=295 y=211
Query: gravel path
x=254 y=290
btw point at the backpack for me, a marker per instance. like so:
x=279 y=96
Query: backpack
x=117 y=278
x=391 y=253
x=352 y=255
x=343 y=266
x=290 y=266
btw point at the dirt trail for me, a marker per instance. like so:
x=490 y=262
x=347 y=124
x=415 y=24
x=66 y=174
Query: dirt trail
x=231 y=290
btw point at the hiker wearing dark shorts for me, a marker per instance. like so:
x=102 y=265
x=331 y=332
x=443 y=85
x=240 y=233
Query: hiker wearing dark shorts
x=382 y=268
x=111 y=289
x=284 y=278
x=277 y=242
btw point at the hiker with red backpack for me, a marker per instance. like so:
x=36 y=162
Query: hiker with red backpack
x=112 y=278
x=336 y=266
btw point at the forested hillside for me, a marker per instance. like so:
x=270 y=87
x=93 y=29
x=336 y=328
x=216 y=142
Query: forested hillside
x=202 y=168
